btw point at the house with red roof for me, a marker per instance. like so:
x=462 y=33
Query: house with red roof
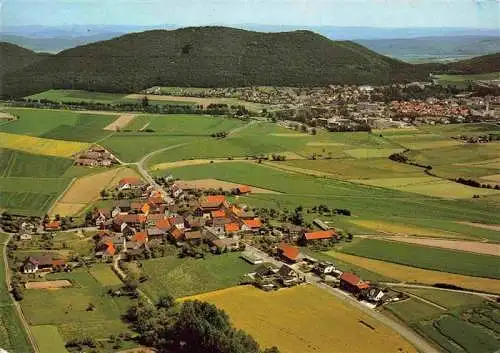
x=352 y=283
x=288 y=253
x=218 y=214
x=231 y=227
x=251 y=224
x=243 y=189
x=140 y=237
x=322 y=235
x=53 y=226
x=105 y=249
x=176 y=234
x=129 y=183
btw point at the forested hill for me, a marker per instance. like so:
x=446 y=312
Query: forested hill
x=206 y=57
x=14 y=57
x=478 y=65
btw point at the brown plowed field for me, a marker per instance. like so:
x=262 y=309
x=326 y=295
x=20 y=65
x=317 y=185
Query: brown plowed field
x=62 y=283
x=122 y=121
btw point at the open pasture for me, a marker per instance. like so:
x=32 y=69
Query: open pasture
x=66 y=308
x=426 y=257
x=309 y=315
x=417 y=275
x=371 y=152
x=453 y=130
x=394 y=228
x=48 y=339
x=187 y=276
x=14 y=163
x=59 y=124
x=42 y=146
x=27 y=196
x=424 y=141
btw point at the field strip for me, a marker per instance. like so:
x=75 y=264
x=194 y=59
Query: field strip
x=62 y=283
x=56 y=201
x=43 y=146
x=122 y=121
x=494 y=177
x=461 y=245
x=190 y=162
x=154 y=97
x=482 y=225
x=403 y=229
x=417 y=275
x=216 y=184
x=145 y=126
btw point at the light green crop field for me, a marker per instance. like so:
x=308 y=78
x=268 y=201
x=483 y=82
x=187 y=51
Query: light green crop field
x=67 y=308
x=58 y=124
x=447 y=299
x=184 y=124
x=48 y=339
x=427 y=185
x=426 y=257
x=71 y=95
x=105 y=275
x=187 y=276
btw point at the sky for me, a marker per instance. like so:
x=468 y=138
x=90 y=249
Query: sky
x=342 y=13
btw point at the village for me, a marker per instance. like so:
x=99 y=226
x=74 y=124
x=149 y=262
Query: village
x=145 y=221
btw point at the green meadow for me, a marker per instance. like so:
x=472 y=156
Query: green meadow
x=58 y=124
x=15 y=163
x=187 y=276
x=462 y=81
x=66 y=308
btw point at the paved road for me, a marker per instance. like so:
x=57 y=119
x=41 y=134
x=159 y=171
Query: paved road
x=15 y=303
x=419 y=342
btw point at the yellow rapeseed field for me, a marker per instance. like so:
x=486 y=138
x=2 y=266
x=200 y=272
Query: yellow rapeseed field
x=417 y=275
x=38 y=145
x=304 y=319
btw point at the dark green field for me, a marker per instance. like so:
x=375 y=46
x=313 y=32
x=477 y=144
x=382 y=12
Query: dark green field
x=13 y=337
x=426 y=257
x=58 y=124
x=30 y=196
x=21 y=164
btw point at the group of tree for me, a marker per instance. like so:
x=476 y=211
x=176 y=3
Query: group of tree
x=278 y=157
x=219 y=135
x=190 y=326
x=476 y=184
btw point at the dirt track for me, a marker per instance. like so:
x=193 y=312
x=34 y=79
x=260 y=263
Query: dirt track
x=495 y=227
x=462 y=245
x=216 y=184
x=62 y=283
x=122 y=121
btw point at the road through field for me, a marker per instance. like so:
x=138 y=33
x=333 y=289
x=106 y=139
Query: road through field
x=419 y=342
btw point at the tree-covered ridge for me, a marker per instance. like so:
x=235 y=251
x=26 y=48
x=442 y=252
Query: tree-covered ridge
x=14 y=57
x=209 y=57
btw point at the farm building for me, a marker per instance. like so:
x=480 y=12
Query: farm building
x=43 y=263
x=311 y=237
x=52 y=226
x=129 y=183
x=289 y=253
x=322 y=225
x=352 y=283
x=243 y=189
x=251 y=258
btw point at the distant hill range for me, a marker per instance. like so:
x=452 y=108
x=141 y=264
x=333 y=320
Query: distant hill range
x=210 y=57
x=434 y=49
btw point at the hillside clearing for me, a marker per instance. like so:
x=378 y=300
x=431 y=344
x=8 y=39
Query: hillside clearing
x=300 y=319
